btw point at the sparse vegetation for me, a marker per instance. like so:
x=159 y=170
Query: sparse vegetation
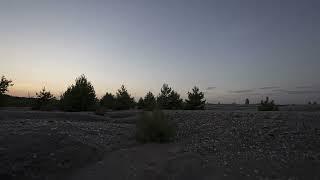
x=195 y=99
x=44 y=100
x=154 y=127
x=169 y=99
x=267 y=105
x=79 y=97
x=124 y=100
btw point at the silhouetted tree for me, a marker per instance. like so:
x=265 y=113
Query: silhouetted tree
x=149 y=101
x=4 y=85
x=123 y=99
x=169 y=99
x=140 y=103
x=108 y=101
x=43 y=99
x=315 y=103
x=247 y=102
x=195 y=99
x=79 y=97
x=267 y=105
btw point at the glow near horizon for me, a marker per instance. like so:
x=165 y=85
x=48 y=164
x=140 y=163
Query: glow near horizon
x=145 y=44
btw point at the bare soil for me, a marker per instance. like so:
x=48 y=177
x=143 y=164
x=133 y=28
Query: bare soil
x=209 y=145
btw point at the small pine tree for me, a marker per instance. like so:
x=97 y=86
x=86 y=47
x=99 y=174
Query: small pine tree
x=79 y=97
x=108 y=101
x=163 y=98
x=168 y=98
x=43 y=99
x=4 y=85
x=195 y=99
x=124 y=100
x=247 y=102
x=140 y=103
x=149 y=101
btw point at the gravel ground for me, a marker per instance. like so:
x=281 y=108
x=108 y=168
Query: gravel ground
x=208 y=144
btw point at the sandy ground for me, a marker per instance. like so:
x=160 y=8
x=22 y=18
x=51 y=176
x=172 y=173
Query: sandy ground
x=209 y=145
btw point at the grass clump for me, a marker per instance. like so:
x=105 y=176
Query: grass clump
x=154 y=127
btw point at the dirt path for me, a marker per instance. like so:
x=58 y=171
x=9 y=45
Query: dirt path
x=152 y=161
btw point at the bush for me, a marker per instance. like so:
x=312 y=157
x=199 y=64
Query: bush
x=154 y=127
x=169 y=99
x=267 y=106
x=44 y=100
x=79 y=97
x=195 y=99
x=100 y=111
x=124 y=100
x=108 y=101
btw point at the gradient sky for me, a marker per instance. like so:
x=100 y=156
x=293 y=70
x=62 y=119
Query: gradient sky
x=231 y=49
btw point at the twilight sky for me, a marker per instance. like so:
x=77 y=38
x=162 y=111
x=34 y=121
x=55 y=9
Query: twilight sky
x=231 y=49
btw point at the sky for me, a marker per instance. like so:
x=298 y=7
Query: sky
x=230 y=49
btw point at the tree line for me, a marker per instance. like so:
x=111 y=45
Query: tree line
x=81 y=96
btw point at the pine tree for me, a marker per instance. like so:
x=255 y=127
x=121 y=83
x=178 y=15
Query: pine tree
x=108 y=101
x=195 y=99
x=247 y=101
x=140 y=103
x=123 y=99
x=149 y=101
x=79 y=97
x=168 y=98
x=43 y=99
x=4 y=85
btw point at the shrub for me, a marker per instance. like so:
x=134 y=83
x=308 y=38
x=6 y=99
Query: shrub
x=154 y=127
x=79 y=97
x=44 y=100
x=168 y=98
x=124 y=100
x=108 y=101
x=195 y=99
x=100 y=111
x=267 y=106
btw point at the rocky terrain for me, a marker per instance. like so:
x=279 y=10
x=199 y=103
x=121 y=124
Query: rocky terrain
x=209 y=144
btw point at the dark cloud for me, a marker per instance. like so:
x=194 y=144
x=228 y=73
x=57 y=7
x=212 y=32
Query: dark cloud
x=242 y=91
x=270 y=87
x=297 y=92
x=211 y=88
x=304 y=87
